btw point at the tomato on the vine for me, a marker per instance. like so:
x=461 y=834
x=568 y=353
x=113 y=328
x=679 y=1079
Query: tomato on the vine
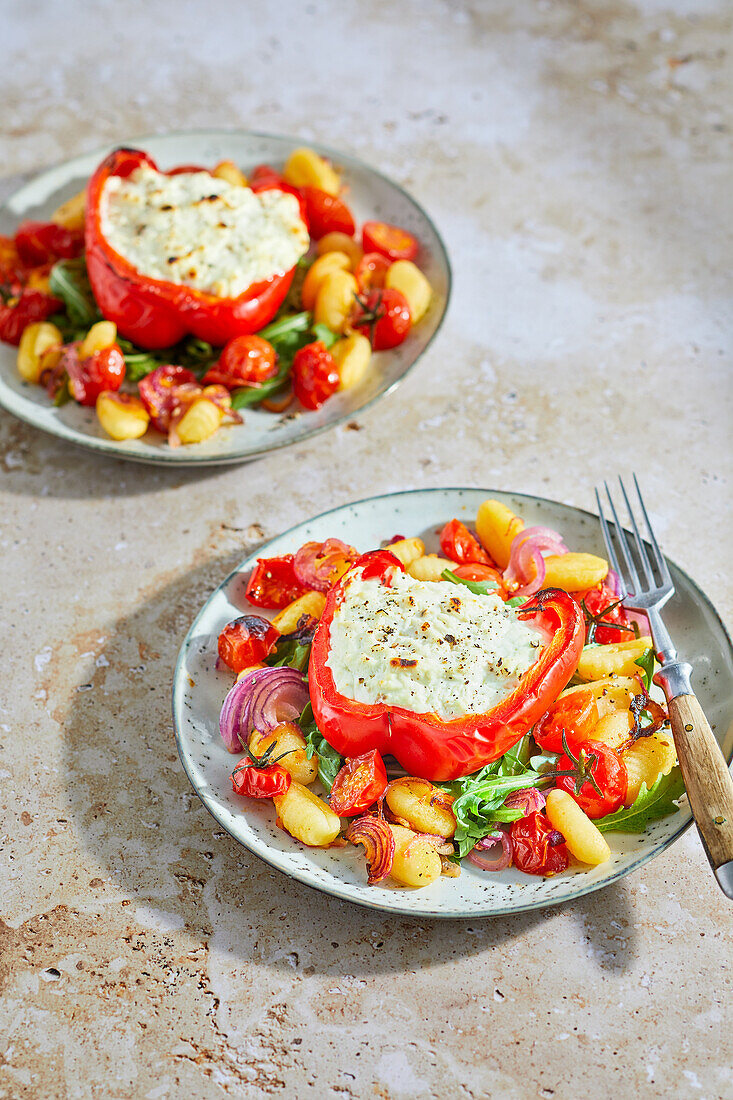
x=40 y=243
x=244 y=361
x=23 y=307
x=257 y=781
x=604 y=789
x=273 y=584
x=358 y=785
x=461 y=545
x=246 y=641
x=104 y=370
x=371 y=271
x=383 y=316
x=537 y=849
x=603 y=604
x=390 y=240
x=326 y=213
x=315 y=375
x=575 y=715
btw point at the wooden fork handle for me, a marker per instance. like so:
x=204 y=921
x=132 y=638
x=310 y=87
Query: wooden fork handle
x=708 y=782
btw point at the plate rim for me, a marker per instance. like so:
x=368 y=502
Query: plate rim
x=110 y=447
x=339 y=892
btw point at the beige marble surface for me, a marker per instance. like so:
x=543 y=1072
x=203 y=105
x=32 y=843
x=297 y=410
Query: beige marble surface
x=576 y=157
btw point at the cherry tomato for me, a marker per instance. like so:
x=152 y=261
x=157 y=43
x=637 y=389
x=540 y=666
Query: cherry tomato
x=104 y=370
x=383 y=316
x=181 y=169
x=370 y=271
x=43 y=242
x=265 y=174
x=22 y=308
x=536 y=847
x=164 y=391
x=12 y=269
x=608 y=771
x=358 y=785
x=326 y=213
x=598 y=600
x=246 y=641
x=315 y=375
x=390 y=240
x=253 y=781
x=461 y=545
x=273 y=584
x=380 y=566
x=576 y=714
x=477 y=571
x=244 y=361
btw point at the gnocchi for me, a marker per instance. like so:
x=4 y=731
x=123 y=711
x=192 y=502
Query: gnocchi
x=421 y=804
x=582 y=837
x=287 y=743
x=310 y=604
x=416 y=862
x=496 y=527
x=306 y=816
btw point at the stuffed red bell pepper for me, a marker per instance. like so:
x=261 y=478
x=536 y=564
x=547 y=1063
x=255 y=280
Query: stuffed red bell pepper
x=171 y=254
x=425 y=744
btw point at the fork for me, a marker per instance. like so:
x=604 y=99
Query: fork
x=646 y=585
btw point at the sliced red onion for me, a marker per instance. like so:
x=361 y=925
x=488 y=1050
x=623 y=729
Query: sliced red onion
x=379 y=847
x=526 y=567
x=317 y=564
x=528 y=799
x=498 y=862
x=261 y=701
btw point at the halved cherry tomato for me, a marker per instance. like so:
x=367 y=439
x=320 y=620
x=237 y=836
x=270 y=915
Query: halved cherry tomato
x=246 y=641
x=537 y=848
x=104 y=370
x=476 y=571
x=165 y=391
x=244 y=361
x=273 y=584
x=576 y=715
x=320 y=564
x=265 y=174
x=41 y=243
x=381 y=566
x=598 y=601
x=326 y=213
x=390 y=240
x=383 y=316
x=461 y=545
x=608 y=771
x=253 y=781
x=23 y=307
x=370 y=271
x=358 y=785
x=315 y=375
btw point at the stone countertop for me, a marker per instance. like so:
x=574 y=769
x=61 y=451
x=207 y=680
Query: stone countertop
x=576 y=157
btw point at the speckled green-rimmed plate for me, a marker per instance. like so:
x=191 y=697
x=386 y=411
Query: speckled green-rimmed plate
x=370 y=195
x=199 y=690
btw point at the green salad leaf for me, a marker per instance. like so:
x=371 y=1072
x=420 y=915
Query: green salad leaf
x=69 y=282
x=479 y=799
x=479 y=588
x=287 y=334
x=652 y=803
x=290 y=652
x=329 y=761
x=646 y=663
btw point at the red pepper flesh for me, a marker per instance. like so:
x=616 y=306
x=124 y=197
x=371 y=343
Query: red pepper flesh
x=424 y=744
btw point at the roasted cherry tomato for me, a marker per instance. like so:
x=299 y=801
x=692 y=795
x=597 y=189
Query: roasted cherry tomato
x=315 y=375
x=537 y=848
x=576 y=714
x=265 y=174
x=390 y=240
x=383 y=316
x=326 y=213
x=181 y=169
x=18 y=310
x=370 y=271
x=246 y=641
x=358 y=785
x=165 y=391
x=273 y=584
x=41 y=243
x=381 y=566
x=244 y=361
x=460 y=545
x=603 y=603
x=253 y=781
x=606 y=791
x=104 y=370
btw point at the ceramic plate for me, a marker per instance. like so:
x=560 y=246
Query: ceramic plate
x=199 y=690
x=371 y=195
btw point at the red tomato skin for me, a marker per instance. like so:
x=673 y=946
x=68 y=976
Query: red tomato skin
x=104 y=370
x=477 y=571
x=254 y=782
x=597 y=600
x=460 y=545
x=576 y=714
x=361 y=781
x=272 y=583
x=609 y=772
x=159 y=393
x=315 y=375
x=246 y=641
x=384 y=317
x=390 y=240
x=41 y=243
x=532 y=851
x=370 y=272
x=380 y=566
x=326 y=213
x=23 y=309
x=244 y=361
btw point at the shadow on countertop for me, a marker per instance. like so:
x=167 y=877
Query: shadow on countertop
x=133 y=809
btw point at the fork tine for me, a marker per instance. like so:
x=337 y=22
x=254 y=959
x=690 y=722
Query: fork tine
x=633 y=576
x=610 y=548
x=658 y=556
x=643 y=558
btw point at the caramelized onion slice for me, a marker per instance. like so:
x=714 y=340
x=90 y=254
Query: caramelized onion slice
x=378 y=840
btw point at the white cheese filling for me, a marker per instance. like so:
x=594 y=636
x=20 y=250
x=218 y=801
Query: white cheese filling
x=428 y=646
x=199 y=231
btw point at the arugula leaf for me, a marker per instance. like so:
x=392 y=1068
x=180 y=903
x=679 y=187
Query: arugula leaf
x=479 y=588
x=516 y=760
x=69 y=282
x=516 y=601
x=479 y=801
x=285 y=327
x=544 y=760
x=646 y=664
x=329 y=761
x=252 y=395
x=291 y=653
x=325 y=335
x=651 y=804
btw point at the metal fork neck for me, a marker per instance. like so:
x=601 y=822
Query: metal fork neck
x=674 y=675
